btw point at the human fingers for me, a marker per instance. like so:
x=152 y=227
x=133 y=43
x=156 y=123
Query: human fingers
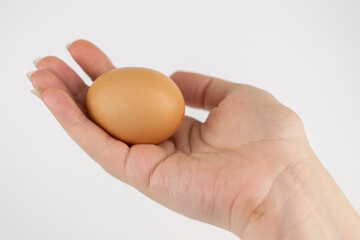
x=44 y=79
x=99 y=145
x=66 y=74
x=202 y=91
x=90 y=58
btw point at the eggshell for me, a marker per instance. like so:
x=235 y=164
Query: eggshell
x=136 y=105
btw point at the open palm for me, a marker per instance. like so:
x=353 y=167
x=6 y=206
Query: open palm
x=217 y=172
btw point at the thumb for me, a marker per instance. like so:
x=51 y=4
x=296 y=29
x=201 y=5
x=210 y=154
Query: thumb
x=202 y=91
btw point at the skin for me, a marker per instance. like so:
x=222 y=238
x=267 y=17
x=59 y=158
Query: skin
x=248 y=169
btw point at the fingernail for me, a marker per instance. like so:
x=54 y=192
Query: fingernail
x=68 y=46
x=29 y=74
x=36 y=61
x=37 y=92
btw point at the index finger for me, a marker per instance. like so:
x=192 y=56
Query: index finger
x=90 y=58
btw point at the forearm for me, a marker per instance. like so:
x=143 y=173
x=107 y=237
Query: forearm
x=304 y=203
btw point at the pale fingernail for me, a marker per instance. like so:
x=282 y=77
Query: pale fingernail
x=68 y=46
x=36 y=61
x=29 y=74
x=37 y=92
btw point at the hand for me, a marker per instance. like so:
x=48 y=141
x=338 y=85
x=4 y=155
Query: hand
x=220 y=172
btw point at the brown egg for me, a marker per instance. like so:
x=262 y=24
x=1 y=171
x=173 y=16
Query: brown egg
x=136 y=105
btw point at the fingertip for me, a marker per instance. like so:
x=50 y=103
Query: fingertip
x=81 y=41
x=185 y=79
x=192 y=86
x=76 y=43
x=79 y=44
x=44 y=79
x=44 y=62
x=176 y=74
x=91 y=59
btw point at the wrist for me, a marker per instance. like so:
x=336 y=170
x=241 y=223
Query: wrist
x=304 y=202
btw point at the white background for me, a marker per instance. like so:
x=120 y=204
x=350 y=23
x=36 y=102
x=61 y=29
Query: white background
x=307 y=53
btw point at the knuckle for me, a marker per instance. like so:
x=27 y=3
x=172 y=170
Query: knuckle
x=78 y=121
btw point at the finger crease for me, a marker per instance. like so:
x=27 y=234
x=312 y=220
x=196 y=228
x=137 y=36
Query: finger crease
x=205 y=92
x=82 y=89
